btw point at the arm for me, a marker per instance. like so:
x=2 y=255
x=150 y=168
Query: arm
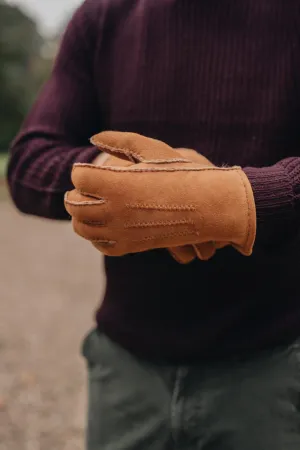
x=56 y=132
x=277 y=198
x=202 y=203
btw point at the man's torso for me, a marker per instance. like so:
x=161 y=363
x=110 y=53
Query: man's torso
x=222 y=78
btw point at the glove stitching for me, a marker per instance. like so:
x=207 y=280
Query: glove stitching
x=156 y=169
x=93 y=223
x=166 y=235
x=138 y=156
x=103 y=242
x=88 y=194
x=158 y=224
x=248 y=210
x=161 y=207
x=82 y=203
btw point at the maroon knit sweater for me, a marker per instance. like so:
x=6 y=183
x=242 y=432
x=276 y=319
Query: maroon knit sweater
x=222 y=77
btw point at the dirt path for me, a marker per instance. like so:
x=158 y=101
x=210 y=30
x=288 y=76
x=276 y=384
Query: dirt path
x=45 y=272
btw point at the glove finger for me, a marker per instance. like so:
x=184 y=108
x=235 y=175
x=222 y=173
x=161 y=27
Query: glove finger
x=92 y=233
x=184 y=254
x=106 y=247
x=187 y=253
x=85 y=209
x=101 y=181
x=220 y=245
x=85 y=178
x=135 y=147
x=205 y=251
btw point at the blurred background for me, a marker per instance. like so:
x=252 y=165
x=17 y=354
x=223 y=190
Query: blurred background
x=45 y=271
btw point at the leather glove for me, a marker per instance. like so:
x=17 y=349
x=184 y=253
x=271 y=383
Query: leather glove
x=159 y=202
x=186 y=253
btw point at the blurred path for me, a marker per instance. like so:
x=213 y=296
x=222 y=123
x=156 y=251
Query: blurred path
x=50 y=285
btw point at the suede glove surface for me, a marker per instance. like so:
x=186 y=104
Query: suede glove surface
x=159 y=201
x=186 y=253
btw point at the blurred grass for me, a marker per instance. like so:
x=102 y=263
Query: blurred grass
x=3 y=164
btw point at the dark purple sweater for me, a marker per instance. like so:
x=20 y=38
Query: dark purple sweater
x=222 y=77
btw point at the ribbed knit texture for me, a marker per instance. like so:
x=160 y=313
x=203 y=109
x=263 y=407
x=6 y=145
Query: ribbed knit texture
x=221 y=77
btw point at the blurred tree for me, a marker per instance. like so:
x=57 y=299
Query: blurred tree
x=23 y=69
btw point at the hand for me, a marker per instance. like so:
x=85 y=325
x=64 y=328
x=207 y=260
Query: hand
x=159 y=202
x=183 y=254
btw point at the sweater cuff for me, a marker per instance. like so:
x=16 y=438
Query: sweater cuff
x=274 y=200
x=87 y=156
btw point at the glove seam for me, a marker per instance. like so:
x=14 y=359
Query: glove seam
x=161 y=207
x=103 y=242
x=82 y=203
x=248 y=229
x=130 y=153
x=88 y=194
x=157 y=169
x=166 y=235
x=159 y=223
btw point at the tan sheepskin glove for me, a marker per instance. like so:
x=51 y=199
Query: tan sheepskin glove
x=186 y=253
x=159 y=202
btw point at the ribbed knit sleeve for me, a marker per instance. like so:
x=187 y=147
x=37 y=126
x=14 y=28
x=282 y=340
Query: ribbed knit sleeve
x=277 y=197
x=57 y=130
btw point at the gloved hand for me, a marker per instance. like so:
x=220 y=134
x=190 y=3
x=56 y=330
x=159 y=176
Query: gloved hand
x=159 y=202
x=186 y=253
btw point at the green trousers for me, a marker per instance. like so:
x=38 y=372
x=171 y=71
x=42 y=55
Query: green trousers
x=252 y=404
